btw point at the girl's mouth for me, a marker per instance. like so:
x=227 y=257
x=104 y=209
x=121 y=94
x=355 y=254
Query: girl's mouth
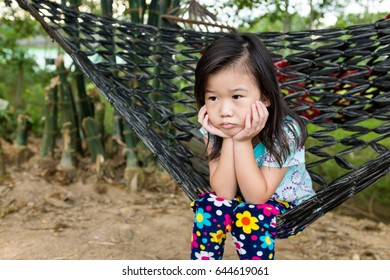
x=227 y=125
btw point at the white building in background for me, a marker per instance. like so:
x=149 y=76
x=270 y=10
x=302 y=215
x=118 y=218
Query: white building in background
x=44 y=50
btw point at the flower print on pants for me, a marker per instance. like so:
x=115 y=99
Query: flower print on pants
x=202 y=218
x=247 y=222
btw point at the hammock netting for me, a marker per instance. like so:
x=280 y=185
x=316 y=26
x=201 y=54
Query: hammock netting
x=336 y=78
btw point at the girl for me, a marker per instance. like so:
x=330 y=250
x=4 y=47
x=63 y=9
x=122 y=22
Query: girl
x=255 y=148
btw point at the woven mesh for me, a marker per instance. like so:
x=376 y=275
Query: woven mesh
x=337 y=78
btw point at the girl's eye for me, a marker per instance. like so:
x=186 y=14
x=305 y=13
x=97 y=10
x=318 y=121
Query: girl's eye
x=212 y=98
x=235 y=97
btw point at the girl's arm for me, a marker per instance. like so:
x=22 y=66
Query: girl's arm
x=222 y=173
x=257 y=185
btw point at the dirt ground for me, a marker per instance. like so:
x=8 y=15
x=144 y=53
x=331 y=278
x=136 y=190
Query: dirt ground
x=46 y=217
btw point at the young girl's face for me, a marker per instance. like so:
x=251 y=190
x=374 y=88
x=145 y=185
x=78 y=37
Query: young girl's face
x=229 y=95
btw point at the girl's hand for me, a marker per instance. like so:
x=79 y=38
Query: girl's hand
x=203 y=119
x=253 y=124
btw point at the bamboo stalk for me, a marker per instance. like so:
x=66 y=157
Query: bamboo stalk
x=117 y=119
x=136 y=11
x=94 y=138
x=22 y=130
x=50 y=126
x=22 y=152
x=67 y=106
x=67 y=156
x=153 y=13
x=162 y=10
x=84 y=106
x=99 y=117
x=117 y=133
x=134 y=175
x=156 y=96
x=131 y=146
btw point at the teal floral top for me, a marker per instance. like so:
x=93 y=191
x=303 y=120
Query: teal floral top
x=296 y=185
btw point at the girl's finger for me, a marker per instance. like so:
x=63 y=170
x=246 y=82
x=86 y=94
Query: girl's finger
x=264 y=108
x=205 y=122
x=201 y=111
x=260 y=108
x=255 y=113
x=248 y=123
x=208 y=125
x=263 y=112
x=201 y=114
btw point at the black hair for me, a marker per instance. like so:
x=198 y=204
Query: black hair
x=249 y=53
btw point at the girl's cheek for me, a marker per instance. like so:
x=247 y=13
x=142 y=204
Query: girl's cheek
x=247 y=111
x=211 y=117
x=242 y=119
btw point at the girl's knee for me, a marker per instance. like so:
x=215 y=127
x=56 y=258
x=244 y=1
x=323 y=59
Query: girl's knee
x=257 y=218
x=253 y=215
x=213 y=213
x=210 y=201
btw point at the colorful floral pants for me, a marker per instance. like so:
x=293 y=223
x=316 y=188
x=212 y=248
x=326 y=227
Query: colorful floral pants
x=253 y=227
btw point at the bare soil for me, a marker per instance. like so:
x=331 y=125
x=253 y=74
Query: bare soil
x=46 y=215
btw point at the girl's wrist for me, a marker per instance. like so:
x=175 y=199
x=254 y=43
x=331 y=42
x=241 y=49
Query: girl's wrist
x=243 y=143
x=228 y=140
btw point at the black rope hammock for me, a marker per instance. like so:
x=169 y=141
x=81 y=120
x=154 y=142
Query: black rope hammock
x=337 y=78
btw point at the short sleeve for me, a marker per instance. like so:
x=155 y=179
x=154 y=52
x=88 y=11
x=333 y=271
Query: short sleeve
x=207 y=135
x=296 y=156
x=204 y=132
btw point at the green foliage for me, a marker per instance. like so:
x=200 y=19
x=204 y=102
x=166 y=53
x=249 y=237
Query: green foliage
x=34 y=82
x=351 y=19
x=282 y=15
x=13 y=58
x=273 y=23
x=13 y=28
x=7 y=124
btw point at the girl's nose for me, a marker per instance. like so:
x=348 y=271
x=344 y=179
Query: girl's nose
x=226 y=109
